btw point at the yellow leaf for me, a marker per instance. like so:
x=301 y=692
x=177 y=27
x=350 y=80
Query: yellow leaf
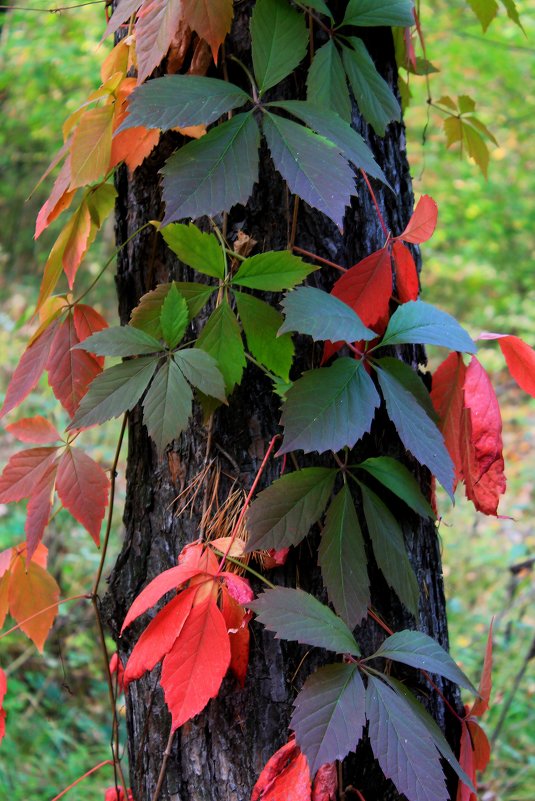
x=91 y=146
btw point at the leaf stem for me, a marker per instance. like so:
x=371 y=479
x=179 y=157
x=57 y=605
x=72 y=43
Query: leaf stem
x=85 y=595
x=314 y=256
x=81 y=778
x=163 y=768
x=375 y=203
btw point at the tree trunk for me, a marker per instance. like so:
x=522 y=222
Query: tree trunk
x=218 y=755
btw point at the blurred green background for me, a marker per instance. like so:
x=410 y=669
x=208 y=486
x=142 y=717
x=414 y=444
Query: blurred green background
x=478 y=266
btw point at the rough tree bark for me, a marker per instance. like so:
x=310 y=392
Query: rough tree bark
x=217 y=757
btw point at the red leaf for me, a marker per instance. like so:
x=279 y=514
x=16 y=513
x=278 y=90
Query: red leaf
x=367 y=287
x=238 y=587
x=83 y=489
x=159 y=636
x=194 y=668
x=211 y=19
x=70 y=371
x=236 y=620
x=88 y=321
x=466 y=761
x=117 y=794
x=447 y=396
x=423 y=222
x=165 y=582
x=158 y=21
x=196 y=555
x=116 y=666
x=38 y=511
x=3 y=690
x=520 y=360
x=285 y=777
x=481 y=704
x=23 y=472
x=32 y=589
x=325 y=786
x=58 y=201
x=34 y=429
x=29 y=369
x=407 y=284
x=480 y=744
x=483 y=466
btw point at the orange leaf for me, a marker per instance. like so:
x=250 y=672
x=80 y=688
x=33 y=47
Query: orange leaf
x=70 y=371
x=133 y=145
x=31 y=590
x=481 y=704
x=483 y=466
x=236 y=620
x=194 y=668
x=466 y=761
x=34 y=429
x=91 y=146
x=481 y=745
x=407 y=283
x=23 y=472
x=58 y=201
x=83 y=489
x=285 y=776
x=211 y=19
x=39 y=508
x=520 y=360
x=77 y=241
x=422 y=224
x=447 y=395
x=29 y=369
x=4 y=587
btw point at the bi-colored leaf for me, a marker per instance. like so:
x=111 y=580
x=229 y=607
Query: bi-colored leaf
x=57 y=202
x=329 y=408
x=155 y=31
x=422 y=224
x=322 y=316
x=422 y=323
x=211 y=19
x=285 y=776
x=212 y=174
x=30 y=368
x=146 y=315
x=202 y=372
x=297 y=615
x=311 y=166
x=447 y=395
x=70 y=371
x=483 y=465
x=174 y=317
x=419 y=650
x=374 y=97
x=261 y=325
x=123 y=10
x=520 y=360
x=279 y=40
x=34 y=429
x=402 y=746
x=379 y=12
x=181 y=101
x=283 y=514
x=329 y=125
x=407 y=283
x=329 y=714
x=194 y=668
x=32 y=588
x=326 y=81
x=367 y=287
x=167 y=405
x=416 y=429
x=273 y=271
x=389 y=550
x=221 y=338
x=197 y=249
x=395 y=476
x=115 y=391
x=91 y=146
x=83 y=488
x=343 y=562
x=88 y=321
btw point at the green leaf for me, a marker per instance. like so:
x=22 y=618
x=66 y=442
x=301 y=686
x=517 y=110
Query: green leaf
x=342 y=559
x=512 y=12
x=374 y=97
x=297 y=615
x=485 y=11
x=432 y=729
x=419 y=650
x=114 y=392
x=283 y=514
x=326 y=82
x=181 y=101
x=395 y=476
x=329 y=408
x=322 y=316
x=201 y=371
x=402 y=746
x=279 y=40
x=317 y=5
x=261 y=322
x=328 y=124
x=311 y=166
x=421 y=323
x=273 y=271
x=213 y=173
x=477 y=149
x=146 y=315
x=174 y=317
x=418 y=433
x=201 y=251
x=411 y=381
x=329 y=714
x=120 y=340
x=221 y=338
x=167 y=405
x=389 y=550
x=365 y=13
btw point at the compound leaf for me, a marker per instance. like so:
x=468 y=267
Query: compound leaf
x=174 y=317
x=422 y=323
x=167 y=405
x=261 y=323
x=279 y=39
x=273 y=271
x=120 y=340
x=379 y=12
x=221 y=338
x=201 y=371
x=197 y=249
x=374 y=97
x=322 y=316
x=326 y=82
x=395 y=476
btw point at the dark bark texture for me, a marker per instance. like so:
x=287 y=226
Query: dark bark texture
x=218 y=755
